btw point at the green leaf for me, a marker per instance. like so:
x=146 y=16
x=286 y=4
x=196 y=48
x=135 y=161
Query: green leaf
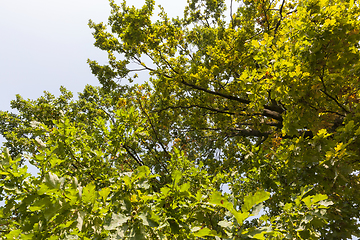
x=43 y=189
x=252 y=200
x=142 y=171
x=148 y=220
x=13 y=234
x=127 y=180
x=311 y=200
x=225 y=224
x=240 y=216
x=104 y=193
x=52 y=210
x=218 y=199
x=174 y=225
x=319 y=197
x=205 y=232
x=6 y=158
x=185 y=187
x=115 y=221
x=40 y=204
x=89 y=194
x=137 y=232
x=27 y=236
x=53 y=237
x=255 y=43
x=52 y=180
x=176 y=175
x=259 y=233
x=288 y=206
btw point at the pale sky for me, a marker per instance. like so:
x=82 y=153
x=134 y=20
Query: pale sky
x=45 y=44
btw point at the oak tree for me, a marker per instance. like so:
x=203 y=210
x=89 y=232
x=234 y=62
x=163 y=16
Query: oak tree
x=261 y=99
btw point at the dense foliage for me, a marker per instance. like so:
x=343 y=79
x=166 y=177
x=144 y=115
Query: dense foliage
x=245 y=110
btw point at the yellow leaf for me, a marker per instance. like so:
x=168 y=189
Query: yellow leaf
x=266 y=36
x=133 y=198
x=255 y=43
x=292 y=147
x=338 y=147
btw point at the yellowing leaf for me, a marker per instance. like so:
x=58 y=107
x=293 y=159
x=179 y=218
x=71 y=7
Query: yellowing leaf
x=323 y=133
x=255 y=43
x=338 y=147
x=266 y=36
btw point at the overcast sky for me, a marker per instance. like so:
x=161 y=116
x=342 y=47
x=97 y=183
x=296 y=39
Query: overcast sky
x=45 y=44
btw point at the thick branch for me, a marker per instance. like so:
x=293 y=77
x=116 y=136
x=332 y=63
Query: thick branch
x=280 y=13
x=232 y=132
x=227 y=96
x=241 y=132
x=269 y=111
x=196 y=106
x=272 y=114
x=304 y=134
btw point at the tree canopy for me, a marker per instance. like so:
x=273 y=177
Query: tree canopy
x=246 y=126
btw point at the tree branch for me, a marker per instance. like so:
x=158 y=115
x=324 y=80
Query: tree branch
x=241 y=132
x=269 y=111
x=196 y=106
x=331 y=97
x=127 y=148
x=76 y=160
x=280 y=13
x=153 y=128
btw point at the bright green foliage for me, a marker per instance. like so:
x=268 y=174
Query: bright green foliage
x=262 y=99
x=53 y=207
